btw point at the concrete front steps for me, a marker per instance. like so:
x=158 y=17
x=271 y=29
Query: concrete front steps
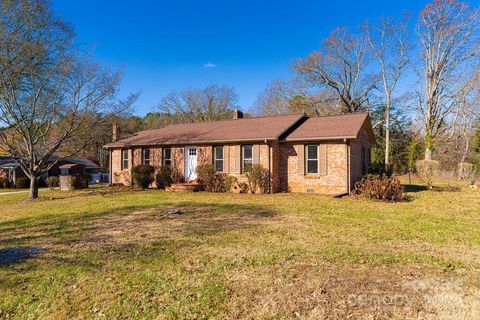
x=184 y=187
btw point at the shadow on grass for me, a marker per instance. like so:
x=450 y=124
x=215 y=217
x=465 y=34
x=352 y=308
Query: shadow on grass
x=415 y=188
x=119 y=231
x=14 y=255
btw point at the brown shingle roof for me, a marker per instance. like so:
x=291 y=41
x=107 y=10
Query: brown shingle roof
x=247 y=129
x=343 y=126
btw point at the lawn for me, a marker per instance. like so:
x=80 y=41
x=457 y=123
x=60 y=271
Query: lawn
x=127 y=255
x=11 y=190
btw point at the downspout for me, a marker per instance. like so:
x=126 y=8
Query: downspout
x=111 y=167
x=348 y=172
x=269 y=168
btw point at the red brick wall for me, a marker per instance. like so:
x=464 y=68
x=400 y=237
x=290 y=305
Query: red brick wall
x=333 y=182
x=280 y=157
x=356 y=156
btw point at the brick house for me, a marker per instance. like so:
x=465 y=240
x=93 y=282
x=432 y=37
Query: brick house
x=324 y=155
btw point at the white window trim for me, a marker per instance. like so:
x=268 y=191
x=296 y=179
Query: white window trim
x=164 y=158
x=307 y=159
x=215 y=158
x=243 y=156
x=125 y=156
x=149 y=155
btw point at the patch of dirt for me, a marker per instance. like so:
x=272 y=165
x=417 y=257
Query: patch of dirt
x=447 y=299
x=323 y=291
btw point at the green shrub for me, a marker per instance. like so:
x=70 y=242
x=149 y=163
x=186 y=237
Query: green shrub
x=142 y=175
x=380 y=188
x=164 y=177
x=426 y=170
x=211 y=180
x=257 y=178
x=4 y=183
x=53 y=182
x=22 y=183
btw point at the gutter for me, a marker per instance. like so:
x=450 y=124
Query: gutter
x=269 y=167
x=348 y=169
x=111 y=167
x=319 y=138
x=189 y=143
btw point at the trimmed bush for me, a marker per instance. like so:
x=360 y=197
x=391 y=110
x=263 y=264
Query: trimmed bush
x=426 y=170
x=53 y=182
x=4 y=183
x=22 y=183
x=142 y=175
x=257 y=178
x=163 y=177
x=380 y=188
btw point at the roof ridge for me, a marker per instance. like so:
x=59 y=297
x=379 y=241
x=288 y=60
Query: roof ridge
x=219 y=120
x=341 y=115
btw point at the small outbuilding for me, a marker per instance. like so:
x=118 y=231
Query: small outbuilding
x=72 y=176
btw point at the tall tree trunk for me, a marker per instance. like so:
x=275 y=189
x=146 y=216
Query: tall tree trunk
x=387 y=134
x=428 y=144
x=428 y=153
x=33 y=189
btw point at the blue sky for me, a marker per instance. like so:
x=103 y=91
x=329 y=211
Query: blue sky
x=170 y=45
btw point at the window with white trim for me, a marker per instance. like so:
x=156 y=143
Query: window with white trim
x=167 y=156
x=247 y=158
x=218 y=158
x=125 y=159
x=312 y=159
x=146 y=156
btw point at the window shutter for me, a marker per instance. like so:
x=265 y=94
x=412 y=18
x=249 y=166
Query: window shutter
x=209 y=156
x=236 y=159
x=256 y=154
x=130 y=159
x=300 y=159
x=159 y=160
x=226 y=159
x=322 y=159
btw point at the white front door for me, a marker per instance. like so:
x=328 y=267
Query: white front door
x=190 y=163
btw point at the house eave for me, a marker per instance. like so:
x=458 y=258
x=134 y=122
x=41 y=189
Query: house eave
x=319 y=138
x=176 y=143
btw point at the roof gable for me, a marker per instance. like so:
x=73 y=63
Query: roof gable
x=331 y=127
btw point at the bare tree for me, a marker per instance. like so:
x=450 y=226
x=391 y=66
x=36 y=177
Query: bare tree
x=210 y=103
x=389 y=43
x=280 y=97
x=340 y=66
x=50 y=95
x=448 y=31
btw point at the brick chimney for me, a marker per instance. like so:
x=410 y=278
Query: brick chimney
x=237 y=114
x=115 y=132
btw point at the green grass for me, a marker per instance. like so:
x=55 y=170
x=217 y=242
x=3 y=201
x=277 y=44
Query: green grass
x=115 y=254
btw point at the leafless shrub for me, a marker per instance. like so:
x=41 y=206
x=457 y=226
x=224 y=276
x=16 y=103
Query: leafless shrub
x=466 y=171
x=426 y=170
x=211 y=180
x=380 y=188
x=257 y=178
